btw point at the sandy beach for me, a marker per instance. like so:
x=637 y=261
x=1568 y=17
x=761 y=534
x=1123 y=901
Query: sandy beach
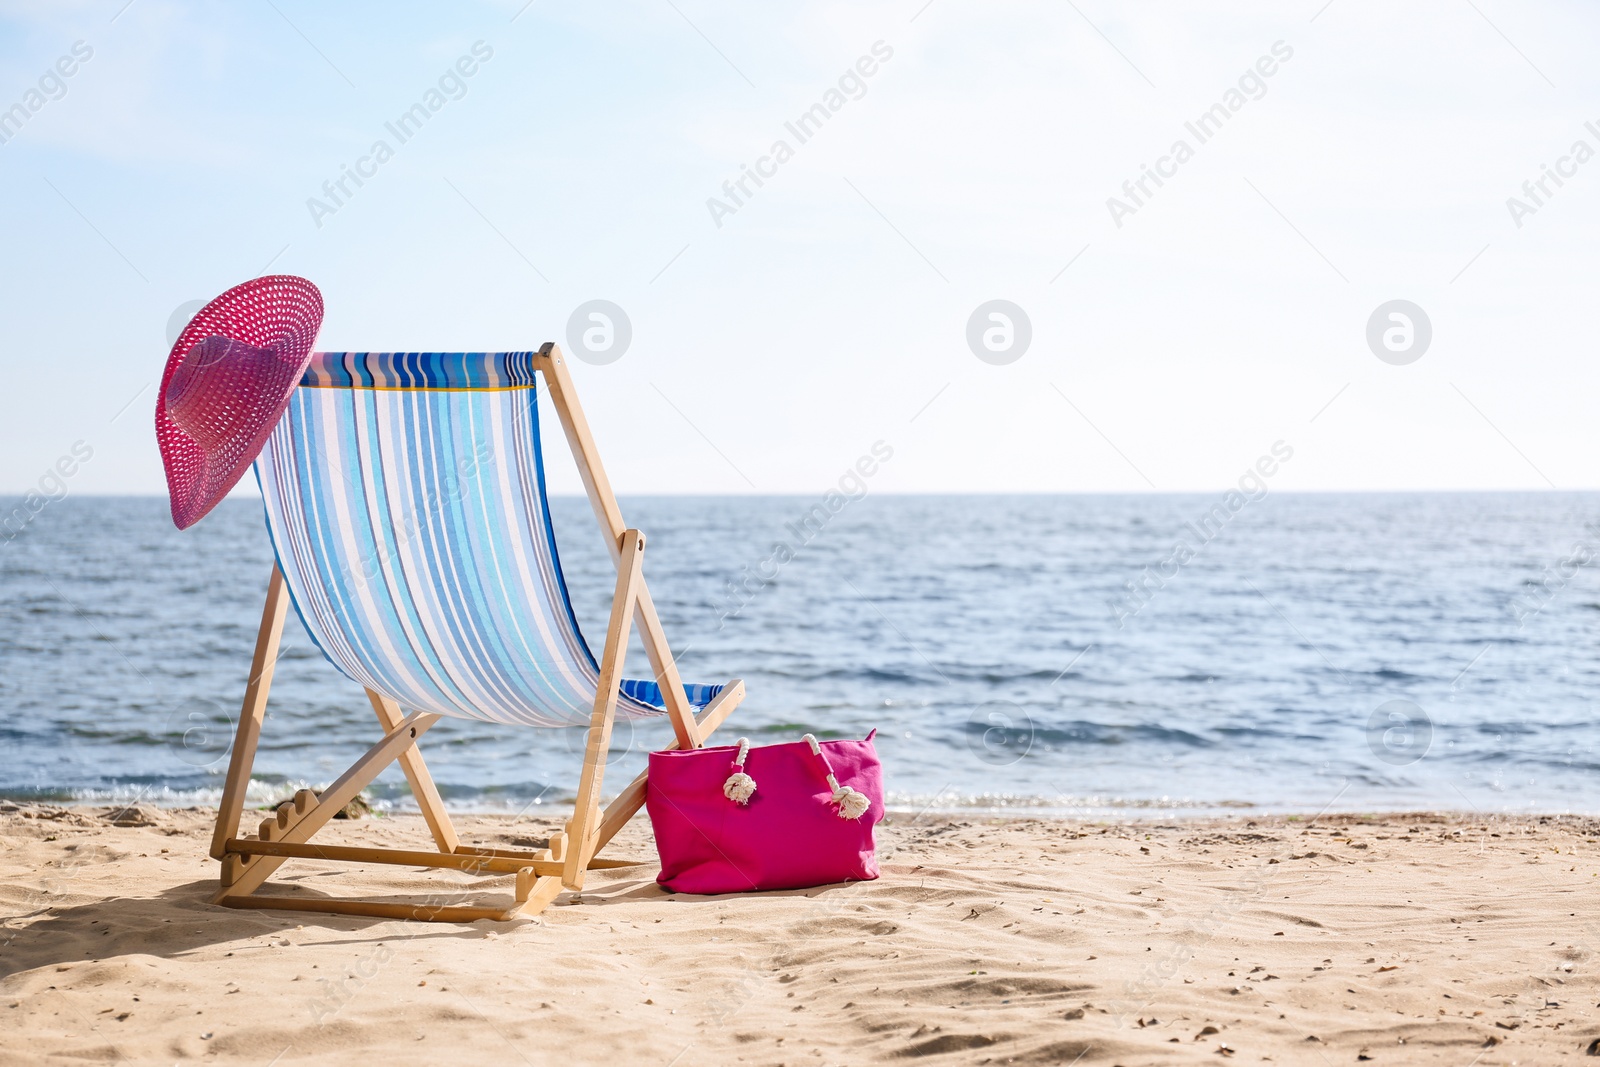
x=1363 y=938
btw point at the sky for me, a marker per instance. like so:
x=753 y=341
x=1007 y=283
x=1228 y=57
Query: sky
x=1358 y=153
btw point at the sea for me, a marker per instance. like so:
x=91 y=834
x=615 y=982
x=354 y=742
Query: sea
x=1099 y=656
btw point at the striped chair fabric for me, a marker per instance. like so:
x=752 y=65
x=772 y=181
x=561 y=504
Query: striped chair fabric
x=405 y=497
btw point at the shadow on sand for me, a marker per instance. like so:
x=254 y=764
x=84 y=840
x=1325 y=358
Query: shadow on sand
x=182 y=919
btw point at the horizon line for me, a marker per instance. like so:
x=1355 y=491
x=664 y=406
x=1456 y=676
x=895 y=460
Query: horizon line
x=1531 y=491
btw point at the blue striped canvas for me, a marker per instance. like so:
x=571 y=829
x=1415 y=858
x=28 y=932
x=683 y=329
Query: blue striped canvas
x=405 y=498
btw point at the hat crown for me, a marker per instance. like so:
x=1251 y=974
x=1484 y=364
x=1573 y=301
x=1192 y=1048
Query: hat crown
x=228 y=380
x=219 y=385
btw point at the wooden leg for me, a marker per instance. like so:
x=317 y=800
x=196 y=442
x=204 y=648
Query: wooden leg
x=251 y=712
x=631 y=799
x=444 y=913
x=271 y=831
x=422 y=787
x=534 y=893
x=333 y=799
x=477 y=861
x=585 y=819
x=665 y=668
x=564 y=398
x=673 y=697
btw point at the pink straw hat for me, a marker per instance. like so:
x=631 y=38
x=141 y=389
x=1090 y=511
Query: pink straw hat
x=227 y=383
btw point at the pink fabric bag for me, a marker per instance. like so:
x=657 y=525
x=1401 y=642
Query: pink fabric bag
x=734 y=818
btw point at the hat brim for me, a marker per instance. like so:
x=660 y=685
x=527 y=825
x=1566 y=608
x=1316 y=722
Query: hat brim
x=279 y=313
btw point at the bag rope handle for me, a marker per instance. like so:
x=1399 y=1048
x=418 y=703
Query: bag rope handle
x=852 y=802
x=740 y=787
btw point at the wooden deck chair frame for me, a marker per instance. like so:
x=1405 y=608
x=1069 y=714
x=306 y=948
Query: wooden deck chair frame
x=247 y=862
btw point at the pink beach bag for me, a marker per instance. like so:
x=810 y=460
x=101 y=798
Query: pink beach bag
x=735 y=818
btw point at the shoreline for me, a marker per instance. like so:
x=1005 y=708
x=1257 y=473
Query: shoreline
x=1134 y=811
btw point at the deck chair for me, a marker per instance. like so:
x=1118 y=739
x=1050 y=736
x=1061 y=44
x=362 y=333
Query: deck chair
x=405 y=499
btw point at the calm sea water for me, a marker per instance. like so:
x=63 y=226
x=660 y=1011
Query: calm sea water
x=1355 y=651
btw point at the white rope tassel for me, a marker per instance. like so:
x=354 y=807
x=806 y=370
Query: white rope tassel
x=740 y=787
x=852 y=802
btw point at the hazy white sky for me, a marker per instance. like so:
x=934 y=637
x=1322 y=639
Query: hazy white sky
x=776 y=338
